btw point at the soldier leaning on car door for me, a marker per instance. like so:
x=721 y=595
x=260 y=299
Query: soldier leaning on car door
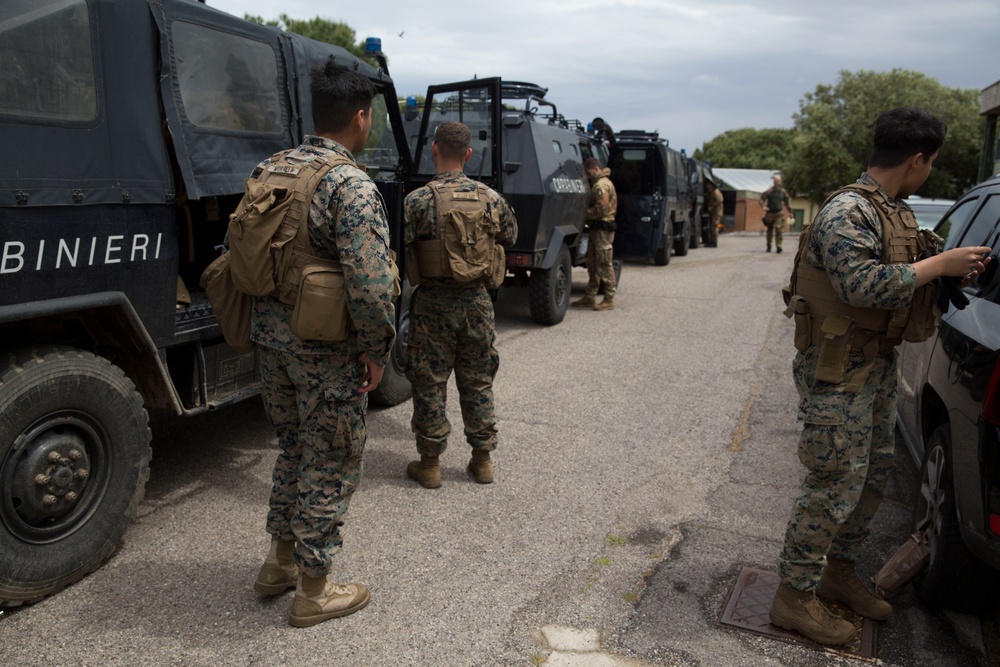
x=857 y=290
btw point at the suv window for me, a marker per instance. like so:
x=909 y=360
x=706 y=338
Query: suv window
x=951 y=226
x=220 y=90
x=983 y=225
x=46 y=60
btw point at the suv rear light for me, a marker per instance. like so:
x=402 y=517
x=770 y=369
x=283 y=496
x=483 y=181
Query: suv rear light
x=995 y=524
x=991 y=401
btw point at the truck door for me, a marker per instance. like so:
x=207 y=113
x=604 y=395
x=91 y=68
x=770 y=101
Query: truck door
x=477 y=104
x=225 y=93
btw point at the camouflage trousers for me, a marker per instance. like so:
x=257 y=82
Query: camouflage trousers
x=600 y=252
x=847 y=446
x=313 y=404
x=713 y=228
x=452 y=328
x=775 y=223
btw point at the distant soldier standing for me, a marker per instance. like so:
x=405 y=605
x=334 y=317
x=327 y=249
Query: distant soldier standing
x=316 y=393
x=774 y=201
x=856 y=292
x=713 y=204
x=601 y=223
x=455 y=229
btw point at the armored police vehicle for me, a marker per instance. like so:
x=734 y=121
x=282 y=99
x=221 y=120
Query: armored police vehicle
x=128 y=130
x=654 y=195
x=524 y=149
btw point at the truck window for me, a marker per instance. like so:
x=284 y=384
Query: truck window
x=46 y=60
x=222 y=91
x=381 y=153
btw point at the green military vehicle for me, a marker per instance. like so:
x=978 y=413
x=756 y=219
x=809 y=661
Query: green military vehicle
x=129 y=129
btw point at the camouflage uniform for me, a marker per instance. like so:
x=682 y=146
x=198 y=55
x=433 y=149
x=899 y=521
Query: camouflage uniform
x=451 y=326
x=774 y=220
x=713 y=205
x=600 y=249
x=310 y=388
x=848 y=437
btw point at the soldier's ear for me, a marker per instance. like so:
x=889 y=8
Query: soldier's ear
x=468 y=154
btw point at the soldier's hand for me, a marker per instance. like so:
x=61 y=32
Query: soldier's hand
x=372 y=376
x=962 y=263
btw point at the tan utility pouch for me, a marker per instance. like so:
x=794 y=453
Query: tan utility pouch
x=320 y=311
x=498 y=269
x=798 y=309
x=908 y=561
x=233 y=308
x=835 y=348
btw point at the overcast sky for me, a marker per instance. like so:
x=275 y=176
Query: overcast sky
x=690 y=69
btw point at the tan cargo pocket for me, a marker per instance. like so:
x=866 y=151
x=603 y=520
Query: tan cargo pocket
x=320 y=312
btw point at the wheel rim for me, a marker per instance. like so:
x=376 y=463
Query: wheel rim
x=54 y=477
x=559 y=284
x=932 y=497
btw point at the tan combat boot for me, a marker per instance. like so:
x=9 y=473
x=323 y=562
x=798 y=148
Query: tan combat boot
x=607 y=303
x=317 y=599
x=840 y=583
x=481 y=466
x=427 y=471
x=278 y=573
x=586 y=301
x=803 y=612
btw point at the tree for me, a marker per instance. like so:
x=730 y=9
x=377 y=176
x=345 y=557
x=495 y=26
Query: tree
x=834 y=126
x=319 y=29
x=748 y=148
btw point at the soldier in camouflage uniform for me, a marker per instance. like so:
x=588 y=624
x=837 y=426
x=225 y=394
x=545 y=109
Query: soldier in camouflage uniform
x=316 y=393
x=600 y=250
x=451 y=323
x=713 y=205
x=774 y=201
x=845 y=297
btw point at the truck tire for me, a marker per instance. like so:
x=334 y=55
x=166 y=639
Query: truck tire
x=74 y=460
x=954 y=579
x=662 y=256
x=695 y=233
x=681 y=241
x=549 y=290
x=394 y=387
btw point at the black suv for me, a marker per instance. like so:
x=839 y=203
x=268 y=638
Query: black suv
x=949 y=414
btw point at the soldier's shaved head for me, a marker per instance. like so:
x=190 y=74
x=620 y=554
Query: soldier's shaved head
x=453 y=140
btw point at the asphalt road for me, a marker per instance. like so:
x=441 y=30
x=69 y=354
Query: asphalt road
x=647 y=455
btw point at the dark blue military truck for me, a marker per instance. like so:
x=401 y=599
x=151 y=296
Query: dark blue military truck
x=524 y=149
x=128 y=130
x=654 y=195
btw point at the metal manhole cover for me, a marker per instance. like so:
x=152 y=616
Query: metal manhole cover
x=750 y=603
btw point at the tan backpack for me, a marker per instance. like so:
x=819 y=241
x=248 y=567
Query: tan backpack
x=465 y=249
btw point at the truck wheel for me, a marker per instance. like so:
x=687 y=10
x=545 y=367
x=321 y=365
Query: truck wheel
x=394 y=387
x=955 y=578
x=662 y=256
x=549 y=290
x=695 y=234
x=74 y=460
x=681 y=242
